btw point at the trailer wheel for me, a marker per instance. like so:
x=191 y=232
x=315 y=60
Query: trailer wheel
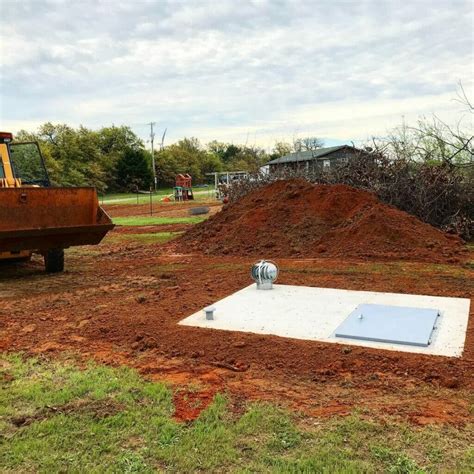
x=54 y=260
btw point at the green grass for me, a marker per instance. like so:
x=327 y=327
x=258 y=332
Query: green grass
x=150 y=220
x=148 y=238
x=55 y=417
x=131 y=198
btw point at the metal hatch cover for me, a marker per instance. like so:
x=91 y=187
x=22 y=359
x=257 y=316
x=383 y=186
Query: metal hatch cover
x=391 y=324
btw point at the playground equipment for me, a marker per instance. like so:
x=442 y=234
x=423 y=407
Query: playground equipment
x=223 y=180
x=183 y=190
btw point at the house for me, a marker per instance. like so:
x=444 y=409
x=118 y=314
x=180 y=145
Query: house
x=313 y=160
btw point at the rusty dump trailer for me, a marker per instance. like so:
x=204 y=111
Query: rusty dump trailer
x=37 y=218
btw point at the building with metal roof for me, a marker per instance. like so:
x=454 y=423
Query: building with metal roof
x=312 y=160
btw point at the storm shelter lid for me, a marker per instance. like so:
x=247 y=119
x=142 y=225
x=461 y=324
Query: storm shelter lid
x=391 y=324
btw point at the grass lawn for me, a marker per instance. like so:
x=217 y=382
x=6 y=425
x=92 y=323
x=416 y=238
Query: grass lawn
x=150 y=220
x=149 y=238
x=131 y=198
x=55 y=417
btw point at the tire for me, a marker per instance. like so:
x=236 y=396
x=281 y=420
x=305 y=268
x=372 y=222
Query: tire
x=54 y=260
x=196 y=211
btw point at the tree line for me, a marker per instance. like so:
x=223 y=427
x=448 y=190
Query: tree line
x=114 y=159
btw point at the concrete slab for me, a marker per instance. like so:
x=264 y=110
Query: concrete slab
x=312 y=313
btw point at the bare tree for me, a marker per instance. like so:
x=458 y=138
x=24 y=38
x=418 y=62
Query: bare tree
x=307 y=144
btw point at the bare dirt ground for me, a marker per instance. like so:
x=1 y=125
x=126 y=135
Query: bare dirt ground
x=170 y=209
x=119 y=303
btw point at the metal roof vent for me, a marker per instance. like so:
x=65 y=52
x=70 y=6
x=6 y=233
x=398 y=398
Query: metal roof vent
x=264 y=272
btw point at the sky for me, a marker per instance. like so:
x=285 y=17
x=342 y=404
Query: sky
x=237 y=71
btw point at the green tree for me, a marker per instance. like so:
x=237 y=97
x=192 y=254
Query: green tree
x=280 y=149
x=238 y=157
x=226 y=152
x=249 y=159
x=76 y=152
x=52 y=165
x=134 y=170
x=186 y=156
x=112 y=142
x=83 y=157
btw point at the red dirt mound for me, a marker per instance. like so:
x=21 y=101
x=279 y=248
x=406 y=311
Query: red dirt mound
x=296 y=218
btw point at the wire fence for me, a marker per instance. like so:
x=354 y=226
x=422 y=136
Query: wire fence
x=150 y=203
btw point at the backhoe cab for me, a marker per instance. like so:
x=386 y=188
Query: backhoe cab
x=38 y=218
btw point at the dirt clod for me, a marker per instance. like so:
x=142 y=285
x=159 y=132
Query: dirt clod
x=29 y=328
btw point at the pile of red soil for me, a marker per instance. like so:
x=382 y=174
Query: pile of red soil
x=296 y=218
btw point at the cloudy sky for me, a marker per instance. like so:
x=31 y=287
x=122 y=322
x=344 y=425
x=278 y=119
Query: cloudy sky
x=234 y=70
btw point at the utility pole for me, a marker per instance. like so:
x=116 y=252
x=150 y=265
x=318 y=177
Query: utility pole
x=152 y=137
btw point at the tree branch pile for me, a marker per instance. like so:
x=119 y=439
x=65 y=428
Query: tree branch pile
x=420 y=171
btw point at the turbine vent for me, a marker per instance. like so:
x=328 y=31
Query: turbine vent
x=264 y=273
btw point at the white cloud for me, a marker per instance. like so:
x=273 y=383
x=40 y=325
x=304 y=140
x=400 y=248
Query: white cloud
x=231 y=70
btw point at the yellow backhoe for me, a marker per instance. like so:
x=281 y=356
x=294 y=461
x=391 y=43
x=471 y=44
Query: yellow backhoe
x=38 y=218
